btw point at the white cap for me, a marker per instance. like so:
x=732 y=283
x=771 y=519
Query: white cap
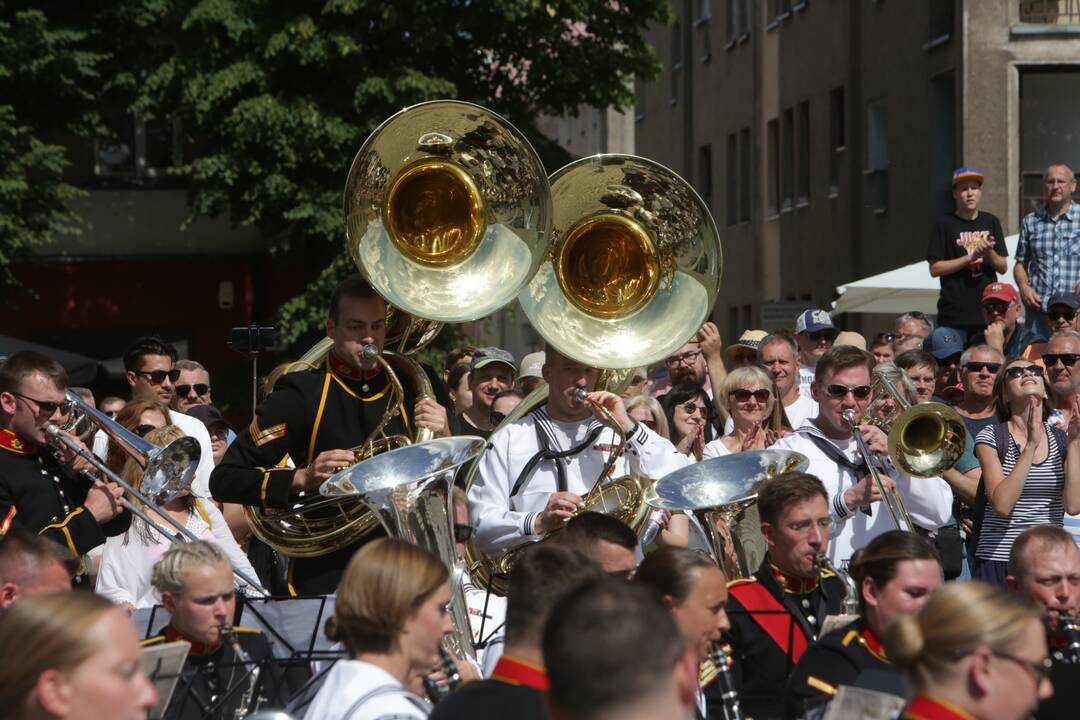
x=532 y=365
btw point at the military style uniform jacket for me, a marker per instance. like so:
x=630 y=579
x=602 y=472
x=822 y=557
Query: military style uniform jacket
x=924 y=707
x=838 y=658
x=774 y=619
x=329 y=408
x=516 y=689
x=40 y=495
x=215 y=681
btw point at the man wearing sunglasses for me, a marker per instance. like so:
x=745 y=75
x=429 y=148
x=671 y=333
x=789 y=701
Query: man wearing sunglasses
x=311 y=426
x=152 y=374
x=193 y=389
x=842 y=382
x=979 y=365
x=1001 y=309
x=536 y=470
x=815 y=333
x=1062 y=359
x=1061 y=314
x=43 y=491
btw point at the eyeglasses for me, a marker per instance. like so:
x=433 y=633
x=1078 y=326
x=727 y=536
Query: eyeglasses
x=638 y=380
x=882 y=338
x=692 y=407
x=46 y=408
x=1040 y=669
x=1066 y=359
x=218 y=431
x=200 y=389
x=651 y=424
x=1056 y=315
x=142 y=430
x=1018 y=371
x=462 y=533
x=838 y=391
x=686 y=357
x=976 y=367
x=156 y=377
x=745 y=357
x=995 y=307
x=496 y=417
x=743 y=395
x=826 y=335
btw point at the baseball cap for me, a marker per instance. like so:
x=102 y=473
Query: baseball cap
x=853 y=339
x=532 y=365
x=813 y=320
x=944 y=342
x=1069 y=299
x=1000 y=291
x=750 y=339
x=482 y=357
x=967 y=173
x=208 y=415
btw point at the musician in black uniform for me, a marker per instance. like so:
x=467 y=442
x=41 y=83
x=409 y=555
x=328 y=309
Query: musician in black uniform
x=1044 y=567
x=895 y=575
x=218 y=681
x=777 y=614
x=301 y=433
x=43 y=491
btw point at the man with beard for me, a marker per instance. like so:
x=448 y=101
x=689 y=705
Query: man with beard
x=815 y=333
x=1044 y=567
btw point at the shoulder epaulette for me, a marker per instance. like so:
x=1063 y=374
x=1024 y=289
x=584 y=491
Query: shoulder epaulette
x=740 y=581
x=850 y=637
x=156 y=640
x=820 y=685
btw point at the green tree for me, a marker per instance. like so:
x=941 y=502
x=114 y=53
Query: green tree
x=276 y=96
x=48 y=71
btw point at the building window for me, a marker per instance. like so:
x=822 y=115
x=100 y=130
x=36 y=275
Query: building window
x=877 y=155
x=676 y=61
x=137 y=150
x=738 y=21
x=704 y=173
x=778 y=10
x=744 y=175
x=837 y=137
x=941 y=16
x=732 y=179
x=802 y=190
x=773 y=190
x=787 y=161
x=1050 y=12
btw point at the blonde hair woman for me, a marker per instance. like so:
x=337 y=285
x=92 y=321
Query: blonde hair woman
x=749 y=395
x=973 y=651
x=128 y=560
x=647 y=411
x=71 y=655
x=391 y=614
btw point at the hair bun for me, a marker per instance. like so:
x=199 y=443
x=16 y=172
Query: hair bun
x=904 y=641
x=331 y=630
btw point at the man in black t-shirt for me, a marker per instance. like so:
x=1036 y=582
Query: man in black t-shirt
x=491 y=372
x=967 y=251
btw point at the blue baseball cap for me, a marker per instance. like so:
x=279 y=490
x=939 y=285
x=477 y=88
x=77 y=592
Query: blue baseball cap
x=944 y=342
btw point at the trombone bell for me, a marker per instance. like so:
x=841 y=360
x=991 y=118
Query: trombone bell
x=926 y=440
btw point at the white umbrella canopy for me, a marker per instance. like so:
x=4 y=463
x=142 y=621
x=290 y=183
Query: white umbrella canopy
x=902 y=289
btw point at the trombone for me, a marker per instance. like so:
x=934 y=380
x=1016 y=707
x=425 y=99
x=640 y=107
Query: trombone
x=167 y=471
x=924 y=440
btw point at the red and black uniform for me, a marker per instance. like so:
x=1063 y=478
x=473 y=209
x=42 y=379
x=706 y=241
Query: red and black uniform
x=516 y=689
x=1065 y=677
x=332 y=407
x=838 y=658
x=40 y=495
x=774 y=619
x=923 y=707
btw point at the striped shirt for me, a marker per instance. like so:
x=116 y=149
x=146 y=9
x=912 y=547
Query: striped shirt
x=1050 y=251
x=1040 y=502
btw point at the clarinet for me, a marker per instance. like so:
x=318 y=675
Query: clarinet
x=1067 y=624
x=732 y=710
x=230 y=635
x=433 y=689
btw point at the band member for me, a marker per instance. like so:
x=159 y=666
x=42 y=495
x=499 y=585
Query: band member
x=842 y=383
x=595 y=644
x=895 y=574
x=695 y=590
x=71 y=656
x=973 y=651
x=536 y=470
x=777 y=614
x=41 y=490
x=391 y=614
x=229 y=671
x=32 y=565
x=518 y=683
x=314 y=416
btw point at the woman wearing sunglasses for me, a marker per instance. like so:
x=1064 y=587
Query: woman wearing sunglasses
x=757 y=418
x=689 y=412
x=1026 y=480
x=972 y=652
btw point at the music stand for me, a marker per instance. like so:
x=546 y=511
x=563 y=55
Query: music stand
x=163 y=664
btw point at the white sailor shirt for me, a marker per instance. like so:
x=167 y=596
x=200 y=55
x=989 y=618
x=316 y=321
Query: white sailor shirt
x=502 y=518
x=356 y=690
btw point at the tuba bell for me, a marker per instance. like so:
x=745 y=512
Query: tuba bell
x=632 y=270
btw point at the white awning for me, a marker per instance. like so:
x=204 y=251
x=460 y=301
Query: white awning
x=901 y=290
